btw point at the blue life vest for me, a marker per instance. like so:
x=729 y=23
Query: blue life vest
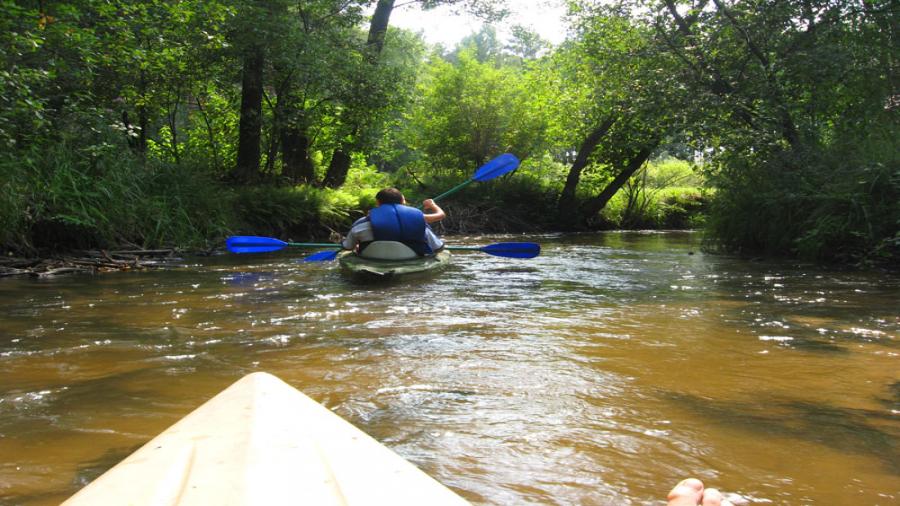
x=396 y=222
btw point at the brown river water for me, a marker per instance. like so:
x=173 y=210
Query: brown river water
x=601 y=372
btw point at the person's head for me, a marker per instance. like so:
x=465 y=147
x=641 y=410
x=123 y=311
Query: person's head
x=390 y=196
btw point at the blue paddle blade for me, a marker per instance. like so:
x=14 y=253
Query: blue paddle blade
x=513 y=249
x=322 y=256
x=253 y=244
x=503 y=164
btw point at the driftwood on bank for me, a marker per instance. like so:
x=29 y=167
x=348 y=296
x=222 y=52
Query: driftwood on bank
x=90 y=262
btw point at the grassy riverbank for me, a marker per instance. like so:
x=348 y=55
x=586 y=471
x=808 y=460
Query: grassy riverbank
x=59 y=202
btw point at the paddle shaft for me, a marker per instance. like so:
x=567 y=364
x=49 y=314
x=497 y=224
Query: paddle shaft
x=314 y=244
x=455 y=189
x=464 y=248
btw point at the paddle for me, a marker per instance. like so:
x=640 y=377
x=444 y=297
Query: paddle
x=322 y=256
x=495 y=168
x=504 y=249
x=500 y=249
x=256 y=244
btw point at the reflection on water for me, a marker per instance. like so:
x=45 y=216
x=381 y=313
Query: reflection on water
x=601 y=372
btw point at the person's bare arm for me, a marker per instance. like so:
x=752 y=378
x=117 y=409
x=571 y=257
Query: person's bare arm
x=433 y=212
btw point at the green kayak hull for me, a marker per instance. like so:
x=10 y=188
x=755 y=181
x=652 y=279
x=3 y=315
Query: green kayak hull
x=367 y=269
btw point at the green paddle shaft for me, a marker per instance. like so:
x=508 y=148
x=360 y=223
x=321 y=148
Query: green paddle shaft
x=455 y=189
x=463 y=248
x=314 y=245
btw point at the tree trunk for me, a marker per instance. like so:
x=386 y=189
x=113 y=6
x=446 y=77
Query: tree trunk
x=213 y=145
x=249 y=131
x=596 y=204
x=337 y=169
x=143 y=121
x=296 y=165
x=567 y=207
x=378 y=26
x=340 y=159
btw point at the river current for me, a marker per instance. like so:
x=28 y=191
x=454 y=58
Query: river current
x=602 y=372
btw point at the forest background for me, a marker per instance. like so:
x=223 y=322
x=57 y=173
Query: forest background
x=771 y=124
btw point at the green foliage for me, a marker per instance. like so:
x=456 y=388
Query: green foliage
x=119 y=121
x=669 y=208
x=671 y=172
x=471 y=111
x=838 y=206
x=791 y=103
x=80 y=197
x=294 y=212
x=666 y=194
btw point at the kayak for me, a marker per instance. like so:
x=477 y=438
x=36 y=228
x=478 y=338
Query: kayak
x=384 y=260
x=262 y=442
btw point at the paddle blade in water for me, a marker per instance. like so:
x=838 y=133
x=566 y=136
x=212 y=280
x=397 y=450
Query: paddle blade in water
x=253 y=244
x=322 y=256
x=497 y=167
x=513 y=249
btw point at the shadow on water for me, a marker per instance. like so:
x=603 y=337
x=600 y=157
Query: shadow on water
x=82 y=397
x=844 y=429
x=813 y=344
x=85 y=473
x=893 y=402
x=91 y=470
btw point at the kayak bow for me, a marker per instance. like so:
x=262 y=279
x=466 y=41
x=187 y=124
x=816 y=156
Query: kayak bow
x=262 y=442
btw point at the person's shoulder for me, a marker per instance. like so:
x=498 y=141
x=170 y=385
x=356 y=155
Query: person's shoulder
x=364 y=219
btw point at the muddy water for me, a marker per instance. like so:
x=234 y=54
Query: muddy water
x=601 y=372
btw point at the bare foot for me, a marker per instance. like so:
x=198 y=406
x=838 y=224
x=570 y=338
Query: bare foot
x=691 y=492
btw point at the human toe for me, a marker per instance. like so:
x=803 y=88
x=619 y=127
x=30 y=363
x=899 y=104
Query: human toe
x=687 y=493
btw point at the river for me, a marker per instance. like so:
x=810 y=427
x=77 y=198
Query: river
x=601 y=372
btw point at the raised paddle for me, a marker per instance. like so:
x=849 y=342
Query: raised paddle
x=495 y=168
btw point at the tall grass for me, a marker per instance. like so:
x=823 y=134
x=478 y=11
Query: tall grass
x=68 y=197
x=296 y=213
x=666 y=194
x=838 y=203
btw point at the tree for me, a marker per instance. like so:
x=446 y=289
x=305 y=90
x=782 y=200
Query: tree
x=469 y=111
x=340 y=159
x=789 y=101
x=800 y=93
x=620 y=99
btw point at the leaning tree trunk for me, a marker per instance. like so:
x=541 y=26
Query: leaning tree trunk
x=340 y=159
x=249 y=131
x=567 y=207
x=596 y=204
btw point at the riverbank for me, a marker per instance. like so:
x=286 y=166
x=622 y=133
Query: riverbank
x=88 y=262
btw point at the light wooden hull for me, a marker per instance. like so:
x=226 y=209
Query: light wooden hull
x=262 y=442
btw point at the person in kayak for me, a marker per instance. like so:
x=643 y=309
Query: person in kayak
x=393 y=220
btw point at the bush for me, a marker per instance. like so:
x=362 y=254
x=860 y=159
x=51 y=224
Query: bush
x=840 y=205
x=294 y=212
x=66 y=197
x=522 y=201
x=642 y=204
